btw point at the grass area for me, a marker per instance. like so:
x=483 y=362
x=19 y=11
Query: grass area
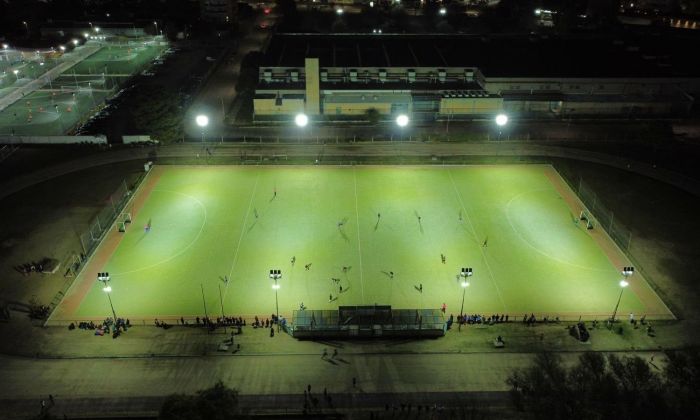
x=72 y=97
x=118 y=59
x=212 y=222
x=49 y=112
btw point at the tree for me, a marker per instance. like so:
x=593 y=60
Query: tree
x=372 y=116
x=216 y=403
x=595 y=388
x=683 y=382
x=158 y=115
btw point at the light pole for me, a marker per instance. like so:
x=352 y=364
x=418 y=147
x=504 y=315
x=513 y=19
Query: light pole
x=501 y=121
x=627 y=273
x=26 y=26
x=301 y=120
x=623 y=284
x=104 y=278
x=402 y=121
x=276 y=275
x=465 y=273
x=155 y=23
x=202 y=121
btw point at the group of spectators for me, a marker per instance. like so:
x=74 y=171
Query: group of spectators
x=482 y=319
x=105 y=327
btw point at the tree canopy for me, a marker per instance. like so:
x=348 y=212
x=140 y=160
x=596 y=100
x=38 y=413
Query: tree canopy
x=216 y=403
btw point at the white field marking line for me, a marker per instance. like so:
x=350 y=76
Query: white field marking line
x=240 y=238
x=359 y=248
x=539 y=251
x=177 y=254
x=481 y=248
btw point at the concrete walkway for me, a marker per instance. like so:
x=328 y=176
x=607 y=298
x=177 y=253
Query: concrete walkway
x=103 y=386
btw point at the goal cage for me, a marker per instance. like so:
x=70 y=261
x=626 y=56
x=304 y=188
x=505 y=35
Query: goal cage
x=123 y=220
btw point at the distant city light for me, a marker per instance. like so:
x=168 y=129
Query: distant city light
x=301 y=120
x=443 y=11
x=339 y=11
x=501 y=120
x=402 y=120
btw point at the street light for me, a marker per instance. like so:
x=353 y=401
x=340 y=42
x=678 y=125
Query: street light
x=75 y=42
x=62 y=48
x=5 y=46
x=276 y=275
x=443 y=11
x=402 y=120
x=104 y=278
x=465 y=273
x=202 y=121
x=16 y=72
x=623 y=284
x=339 y=11
x=156 y=25
x=501 y=120
x=301 y=120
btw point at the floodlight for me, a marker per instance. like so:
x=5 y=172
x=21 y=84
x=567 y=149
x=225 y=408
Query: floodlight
x=371 y=4
x=97 y=29
x=501 y=120
x=402 y=120
x=339 y=11
x=624 y=283
x=62 y=48
x=5 y=46
x=443 y=11
x=75 y=42
x=301 y=120
x=86 y=35
x=202 y=120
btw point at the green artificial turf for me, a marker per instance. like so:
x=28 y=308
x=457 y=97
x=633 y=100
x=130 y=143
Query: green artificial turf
x=204 y=227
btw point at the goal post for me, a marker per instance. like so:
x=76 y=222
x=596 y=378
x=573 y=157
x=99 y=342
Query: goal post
x=123 y=220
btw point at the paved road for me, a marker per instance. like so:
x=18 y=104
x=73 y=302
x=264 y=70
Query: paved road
x=26 y=381
x=219 y=92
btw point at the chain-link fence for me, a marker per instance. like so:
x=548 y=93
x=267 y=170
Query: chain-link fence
x=104 y=219
x=604 y=217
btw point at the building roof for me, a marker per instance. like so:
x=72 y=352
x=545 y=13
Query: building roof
x=495 y=56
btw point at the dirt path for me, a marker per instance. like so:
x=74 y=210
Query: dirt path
x=654 y=306
x=80 y=288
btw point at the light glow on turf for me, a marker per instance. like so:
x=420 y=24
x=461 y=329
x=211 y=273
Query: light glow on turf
x=402 y=120
x=301 y=120
x=202 y=120
x=501 y=120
